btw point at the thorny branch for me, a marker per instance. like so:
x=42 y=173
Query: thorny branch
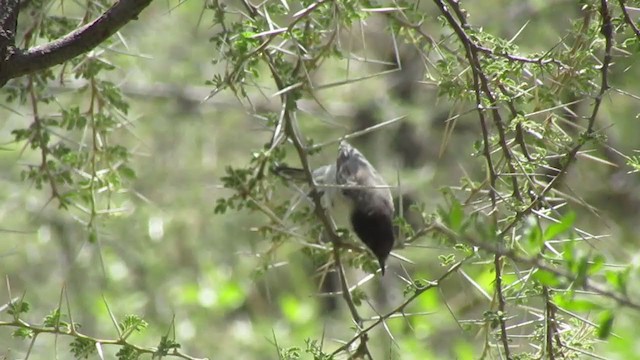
x=627 y=18
x=489 y=98
x=15 y=63
x=551 y=325
x=290 y=127
x=320 y=211
x=569 y=158
x=400 y=308
x=537 y=263
x=19 y=323
x=482 y=90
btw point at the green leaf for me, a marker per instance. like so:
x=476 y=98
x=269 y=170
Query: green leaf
x=446 y=260
x=358 y=296
x=605 y=323
x=563 y=226
x=533 y=235
x=81 y=348
x=54 y=319
x=166 y=345
x=456 y=215
x=93 y=235
x=132 y=323
x=546 y=278
x=18 y=307
x=128 y=352
x=315 y=349
x=127 y=172
x=292 y=353
x=23 y=333
x=618 y=279
x=566 y=301
x=597 y=264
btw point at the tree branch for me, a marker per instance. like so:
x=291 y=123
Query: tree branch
x=71 y=45
x=400 y=308
x=627 y=18
x=536 y=262
x=63 y=331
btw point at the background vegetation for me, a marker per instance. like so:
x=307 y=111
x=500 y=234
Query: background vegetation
x=139 y=216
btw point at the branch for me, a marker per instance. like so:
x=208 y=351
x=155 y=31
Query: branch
x=538 y=263
x=400 y=308
x=497 y=263
x=607 y=31
x=481 y=84
x=627 y=18
x=73 y=44
x=62 y=331
x=551 y=325
x=290 y=129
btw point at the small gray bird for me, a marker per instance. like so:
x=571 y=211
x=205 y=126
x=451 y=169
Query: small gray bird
x=365 y=194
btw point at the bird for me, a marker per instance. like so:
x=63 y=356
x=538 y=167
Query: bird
x=363 y=191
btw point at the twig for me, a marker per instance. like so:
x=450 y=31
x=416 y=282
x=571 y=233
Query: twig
x=358 y=133
x=551 y=327
x=400 y=308
x=627 y=18
x=537 y=263
x=607 y=31
x=472 y=49
x=39 y=133
x=315 y=194
x=569 y=158
x=77 y=335
x=290 y=129
x=502 y=314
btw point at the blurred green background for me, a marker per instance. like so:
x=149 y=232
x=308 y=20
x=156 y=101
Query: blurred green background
x=165 y=255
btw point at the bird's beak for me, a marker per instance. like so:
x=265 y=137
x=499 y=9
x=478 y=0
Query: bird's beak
x=381 y=262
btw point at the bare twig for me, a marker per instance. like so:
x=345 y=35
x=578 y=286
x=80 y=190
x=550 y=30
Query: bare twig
x=502 y=314
x=607 y=31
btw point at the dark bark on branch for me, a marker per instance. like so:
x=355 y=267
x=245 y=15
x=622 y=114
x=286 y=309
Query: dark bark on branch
x=14 y=63
x=8 y=23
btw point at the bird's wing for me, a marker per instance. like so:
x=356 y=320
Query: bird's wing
x=352 y=168
x=325 y=175
x=322 y=175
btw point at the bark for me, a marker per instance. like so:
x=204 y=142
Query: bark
x=8 y=22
